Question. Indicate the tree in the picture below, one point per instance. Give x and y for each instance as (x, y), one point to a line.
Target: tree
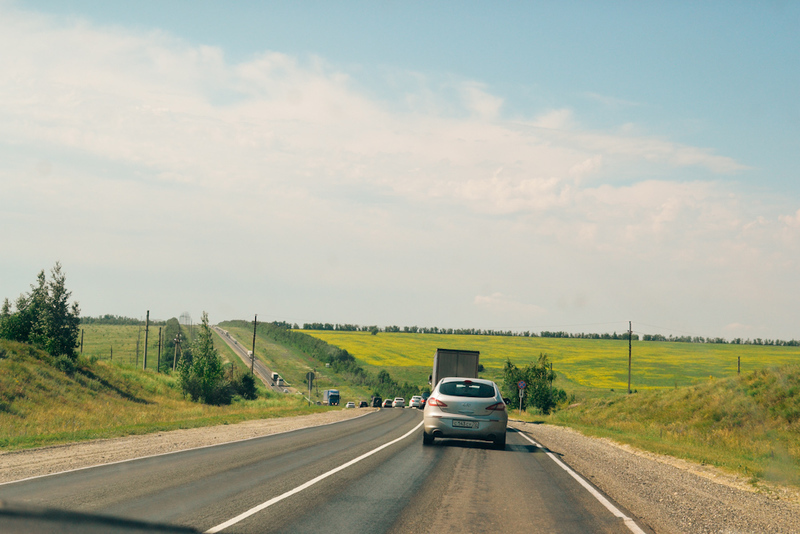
(44, 316)
(538, 377)
(61, 320)
(201, 373)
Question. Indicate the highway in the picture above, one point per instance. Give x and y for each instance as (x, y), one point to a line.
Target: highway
(259, 369)
(370, 474)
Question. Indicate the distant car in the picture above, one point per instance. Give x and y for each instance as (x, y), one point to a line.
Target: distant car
(376, 402)
(399, 402)
(387, 403)
(465, 408)
(363, 404)
(425, 398)
(415, 402)
(350, 404)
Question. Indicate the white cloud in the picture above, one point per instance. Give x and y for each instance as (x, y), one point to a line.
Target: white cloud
(486, 106)
(153, 148)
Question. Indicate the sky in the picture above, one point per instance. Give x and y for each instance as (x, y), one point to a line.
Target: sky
(519, 166)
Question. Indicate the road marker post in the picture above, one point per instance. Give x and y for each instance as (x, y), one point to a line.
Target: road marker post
(521, 385)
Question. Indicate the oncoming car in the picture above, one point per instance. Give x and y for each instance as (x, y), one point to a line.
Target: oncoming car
(350, 404)
(465, 408)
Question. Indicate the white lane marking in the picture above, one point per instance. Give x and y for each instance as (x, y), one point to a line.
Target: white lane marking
(630, 523)
(178, 451)
(308, 484)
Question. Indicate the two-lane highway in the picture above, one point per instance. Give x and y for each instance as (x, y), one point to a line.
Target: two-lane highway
(369, 474)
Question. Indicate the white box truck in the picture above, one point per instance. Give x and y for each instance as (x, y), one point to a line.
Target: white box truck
(450, 362)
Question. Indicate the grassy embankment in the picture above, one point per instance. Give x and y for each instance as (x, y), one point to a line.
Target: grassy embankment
(40, 405)
(690, 402)
(749, 424)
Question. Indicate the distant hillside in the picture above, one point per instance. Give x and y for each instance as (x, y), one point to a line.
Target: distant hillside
(748, 424)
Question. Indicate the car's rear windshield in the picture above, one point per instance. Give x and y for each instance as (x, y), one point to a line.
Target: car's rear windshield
(466, 389)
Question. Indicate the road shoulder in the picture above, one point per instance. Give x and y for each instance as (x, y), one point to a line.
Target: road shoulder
(17, 465)
(670, 495)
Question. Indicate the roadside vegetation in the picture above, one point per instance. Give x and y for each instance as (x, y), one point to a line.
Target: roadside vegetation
(748, 425)
(299, 353)
(42, 405)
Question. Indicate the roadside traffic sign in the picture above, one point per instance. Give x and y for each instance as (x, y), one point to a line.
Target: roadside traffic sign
(521, 384)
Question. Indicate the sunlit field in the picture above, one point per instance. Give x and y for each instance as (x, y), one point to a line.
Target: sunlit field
(588, 363)
(118, 343)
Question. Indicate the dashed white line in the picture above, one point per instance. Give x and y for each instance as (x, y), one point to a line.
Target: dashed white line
(308, 484)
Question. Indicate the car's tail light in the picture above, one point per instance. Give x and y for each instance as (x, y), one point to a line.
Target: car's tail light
(499, 407)
(436, 402)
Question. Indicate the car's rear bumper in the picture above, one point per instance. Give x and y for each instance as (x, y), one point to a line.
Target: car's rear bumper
(442, 427)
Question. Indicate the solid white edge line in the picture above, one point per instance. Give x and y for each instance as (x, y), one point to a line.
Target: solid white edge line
(308, 484)
(175, 452)
(630, 523)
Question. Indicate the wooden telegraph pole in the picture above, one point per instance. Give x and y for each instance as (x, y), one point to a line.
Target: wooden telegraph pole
(630, 337)
(253, 354)
(158, 366)
(177, 347)
(146, 334)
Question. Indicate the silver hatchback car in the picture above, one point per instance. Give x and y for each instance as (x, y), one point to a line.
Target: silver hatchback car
(465, 408)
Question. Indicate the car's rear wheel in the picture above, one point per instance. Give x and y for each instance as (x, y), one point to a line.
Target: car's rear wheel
(427, 439)
(500, 443)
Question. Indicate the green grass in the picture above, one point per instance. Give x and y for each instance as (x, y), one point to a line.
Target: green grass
(40, 405)
(118, 343)
(748, 424)
(293, 365)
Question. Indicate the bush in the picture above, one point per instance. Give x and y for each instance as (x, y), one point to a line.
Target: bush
(245, 386)
(539, 390)
(66, 364)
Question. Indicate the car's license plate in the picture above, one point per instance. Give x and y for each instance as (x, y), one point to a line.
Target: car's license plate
(465, 424)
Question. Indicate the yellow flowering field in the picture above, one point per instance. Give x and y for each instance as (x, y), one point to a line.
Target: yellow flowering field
(593, 363)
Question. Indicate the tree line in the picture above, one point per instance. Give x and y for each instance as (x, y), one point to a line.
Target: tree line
(118, 320)
(735, 341)
(544, 333)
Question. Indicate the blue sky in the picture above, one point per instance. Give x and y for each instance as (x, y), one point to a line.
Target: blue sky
(523, 166)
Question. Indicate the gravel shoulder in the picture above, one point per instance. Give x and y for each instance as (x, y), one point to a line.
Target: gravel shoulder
(671, 495)
(16, 465)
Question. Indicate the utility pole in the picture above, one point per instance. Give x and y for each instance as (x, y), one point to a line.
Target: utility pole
(158, 366)
(253, 354)
(81, 340)
(146, 335)
(177, 347)
(138, 337)
(630, 337)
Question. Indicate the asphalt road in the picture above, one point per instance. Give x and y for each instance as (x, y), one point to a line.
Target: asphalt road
(300, 481)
